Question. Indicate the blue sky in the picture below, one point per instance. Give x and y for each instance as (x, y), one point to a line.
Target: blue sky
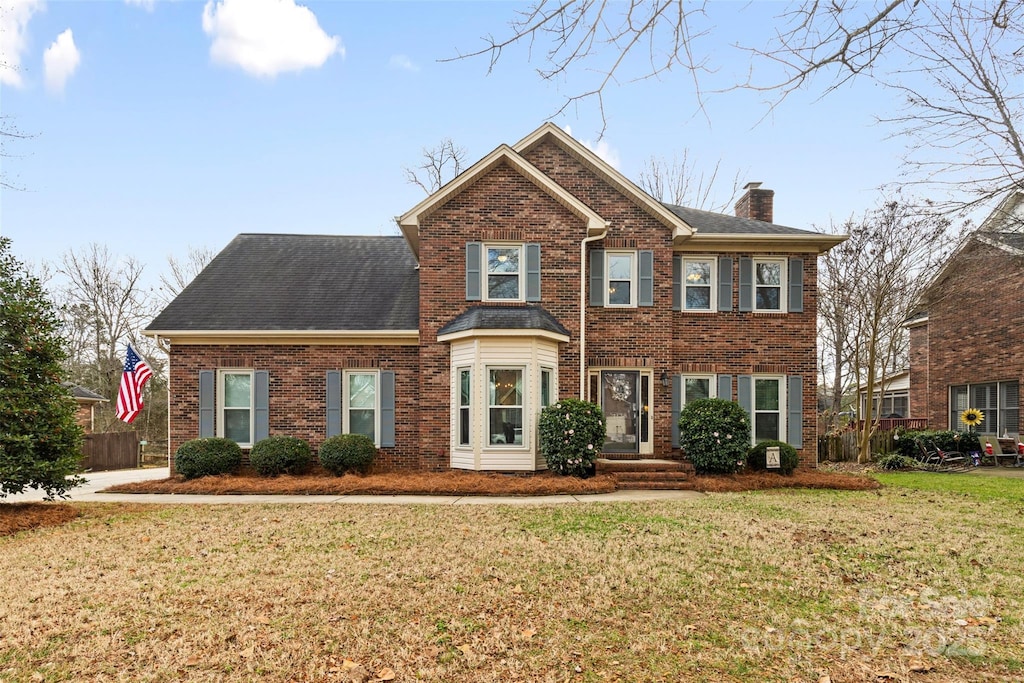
(155, 131)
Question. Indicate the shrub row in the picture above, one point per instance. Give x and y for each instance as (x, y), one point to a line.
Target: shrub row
(273, 456)
(906, 443)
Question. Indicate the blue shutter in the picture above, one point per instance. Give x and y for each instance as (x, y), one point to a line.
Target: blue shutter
(796, 285)
(725, 387)
(646, 294)
(745, 397)
(746, 284)
(206, 378)
(725, 284)
(677, 282)
(597, 285)
(473, 256)
(387, 408)
(677, 406)
(533, 272)
(795, 410)
(261, 405)
(333, 403)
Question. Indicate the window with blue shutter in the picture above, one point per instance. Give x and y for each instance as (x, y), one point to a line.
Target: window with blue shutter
(333, 403)
(387, 408)
(746, 284)
(597, 286)
(646, 268)
(796, 285)
(261, 405)
(795, 411)
(473, 278)
(677, 282)
(533, 272)
(725, 284)
(206, 403)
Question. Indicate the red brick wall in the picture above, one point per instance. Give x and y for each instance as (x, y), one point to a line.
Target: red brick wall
(83, 416)
(918, 357)
(298, 388)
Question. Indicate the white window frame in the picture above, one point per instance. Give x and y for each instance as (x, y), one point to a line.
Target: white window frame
(1001, 409)
(346, 402)
(486, 273)
(712, 285)
(552, 391)
(783, 285)
(782, 433)
(524, 398)
(221, 407)
(712, 387)
(634, 277)
(460, 407)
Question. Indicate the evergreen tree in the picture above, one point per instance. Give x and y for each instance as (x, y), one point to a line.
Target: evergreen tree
(40, 442)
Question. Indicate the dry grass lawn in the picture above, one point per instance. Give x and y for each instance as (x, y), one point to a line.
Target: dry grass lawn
(890, 585)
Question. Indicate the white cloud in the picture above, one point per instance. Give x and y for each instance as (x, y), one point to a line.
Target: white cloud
(267, 37)
(60, 61)
(14, 16)
(403, 62)
(147, 5)
(601, 149)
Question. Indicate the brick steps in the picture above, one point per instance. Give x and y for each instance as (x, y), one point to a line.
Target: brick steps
(648, 474)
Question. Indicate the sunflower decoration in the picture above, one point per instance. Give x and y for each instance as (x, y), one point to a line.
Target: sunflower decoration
(972, 417)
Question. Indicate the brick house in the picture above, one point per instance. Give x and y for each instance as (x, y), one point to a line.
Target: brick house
(540, 272)
(965, 349)
(85, 405)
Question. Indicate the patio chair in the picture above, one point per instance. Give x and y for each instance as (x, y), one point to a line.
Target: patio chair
(997, 450)
(940, 459)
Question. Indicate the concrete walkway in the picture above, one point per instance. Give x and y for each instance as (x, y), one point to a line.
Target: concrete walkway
(89, 493)
(1010, 472)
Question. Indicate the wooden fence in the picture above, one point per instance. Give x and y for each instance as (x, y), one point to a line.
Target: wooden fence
(110, 451)
(842, 447)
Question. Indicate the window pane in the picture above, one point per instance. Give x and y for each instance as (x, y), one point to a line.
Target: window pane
(696, 388)
(769, 273)
(698, 298)
(506, 388)
(766, 394)
(766, 426)
(901, 406)
(463, 426)
(502, 286)
(545, 388)
(362, 422)
(506, 426)
(237, 390)
(464, 377)
(768, 299)
(698, 273)
(618, 293)
(620, 267)
(236, 425)
(957, 404)
(362, 392)
(503, 259)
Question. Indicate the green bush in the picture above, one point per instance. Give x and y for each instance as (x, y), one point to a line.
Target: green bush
(906, 442)
(571, 436)
(206, 457)
(895, 461)
(347, 453)
(715, 434)
(280, 455)
(788, 460)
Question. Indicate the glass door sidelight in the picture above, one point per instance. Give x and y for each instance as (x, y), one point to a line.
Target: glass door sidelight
(625, 410)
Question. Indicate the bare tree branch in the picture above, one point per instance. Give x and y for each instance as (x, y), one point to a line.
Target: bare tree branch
(679, 181)
(440, 164)
(183, 272)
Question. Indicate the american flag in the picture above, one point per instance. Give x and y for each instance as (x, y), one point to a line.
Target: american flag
(129, 398)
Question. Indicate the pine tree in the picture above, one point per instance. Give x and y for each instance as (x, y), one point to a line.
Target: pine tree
(40, 442)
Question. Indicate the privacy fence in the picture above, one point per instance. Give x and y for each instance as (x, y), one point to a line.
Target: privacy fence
(842, 447)
(110, 451)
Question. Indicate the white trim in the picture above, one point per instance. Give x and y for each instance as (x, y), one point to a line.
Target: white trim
(712, 283)
(222, 394)
(346, 401)
(782, 410)
(485, 273)
(312, 337)
(783, 284)
(754, 243)
(525, 396)
(488, 332)
(712, 385)
(643, 447)
(457, 403)
(634, 277)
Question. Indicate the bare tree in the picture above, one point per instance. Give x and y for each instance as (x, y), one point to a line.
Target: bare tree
(440, 164)
(9, 133)
(680, 182)
(183, 271)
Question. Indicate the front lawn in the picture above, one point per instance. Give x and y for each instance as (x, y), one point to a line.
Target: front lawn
(768, 586)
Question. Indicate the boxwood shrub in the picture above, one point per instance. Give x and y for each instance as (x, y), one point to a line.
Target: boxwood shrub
(206, 457)
(715, 434)
(571, 436)
(347, 453)
(788, 460)
(280, 455)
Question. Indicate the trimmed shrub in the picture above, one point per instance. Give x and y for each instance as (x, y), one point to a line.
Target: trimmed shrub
(571, 436)
(347, 453)
(280, 455)
(788, 460)
(895, 461)
(715, 434)
(206, 457)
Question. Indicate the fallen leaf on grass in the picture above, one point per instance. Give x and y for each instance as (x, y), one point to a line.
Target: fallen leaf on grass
(432, 652)
(824, 678)
(248, 652)
(918, 665)
(385, 675)
(466, 650)
(528, 633)
(194, 660)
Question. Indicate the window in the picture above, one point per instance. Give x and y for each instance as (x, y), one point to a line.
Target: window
(504, 272)
(698, 289)
(236, 407)
(768, 409)
(621, 269)
(892, 404)
(545, 387)
(999, 401)
(697, 387)
(465, 404)
(505, 406)
(361, 407)
(769, 292)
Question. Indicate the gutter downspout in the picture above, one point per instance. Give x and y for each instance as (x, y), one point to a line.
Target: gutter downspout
(583, 308)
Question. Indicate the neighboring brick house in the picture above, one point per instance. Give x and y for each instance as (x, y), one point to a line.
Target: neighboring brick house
(85, 406)
(539, 273)
(965, 343)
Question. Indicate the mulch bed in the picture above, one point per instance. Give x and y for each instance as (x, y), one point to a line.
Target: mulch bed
(15, 517)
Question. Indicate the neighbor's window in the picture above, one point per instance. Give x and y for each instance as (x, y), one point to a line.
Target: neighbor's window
(465, 404)
(621, 269)
(769, 293)
(361, 409)
(698, 276)
(236, 407)
(767, 409)
(505, 406)
(504, 272)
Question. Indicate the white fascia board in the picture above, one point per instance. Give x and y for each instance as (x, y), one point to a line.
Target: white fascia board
(467, 334)
(316, 337)
(811, 242)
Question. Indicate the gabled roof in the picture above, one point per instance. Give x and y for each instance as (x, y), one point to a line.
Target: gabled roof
(712, 228)
(505, 318)
(287, 283)
(82, 394)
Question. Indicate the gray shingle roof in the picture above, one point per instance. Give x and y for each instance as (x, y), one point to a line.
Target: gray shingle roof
(301, 282)
(504, 318)
(82, 393)
(709, 222)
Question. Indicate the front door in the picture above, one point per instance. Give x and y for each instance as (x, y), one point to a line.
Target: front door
(621, 402)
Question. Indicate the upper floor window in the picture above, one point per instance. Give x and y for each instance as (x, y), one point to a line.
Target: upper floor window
(698, 284)
(504, 272)
(236, 406)
(769, 287)
(621, 279)
(621, 269)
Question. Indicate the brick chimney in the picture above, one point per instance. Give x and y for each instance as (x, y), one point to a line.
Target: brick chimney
(755, 203)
